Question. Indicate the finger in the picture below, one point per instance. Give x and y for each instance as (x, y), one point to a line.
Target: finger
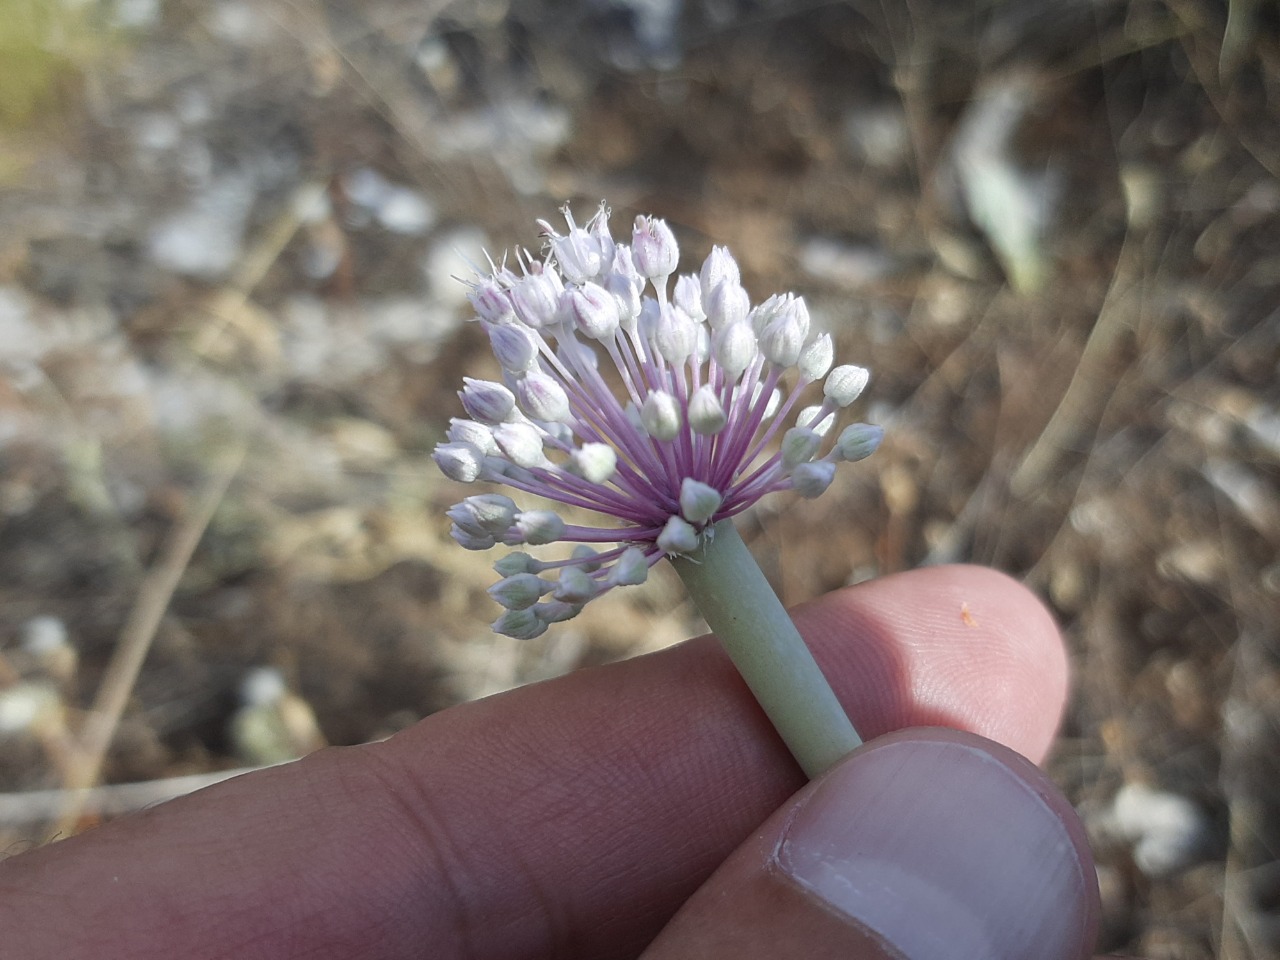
(571, 817)
(925, 845)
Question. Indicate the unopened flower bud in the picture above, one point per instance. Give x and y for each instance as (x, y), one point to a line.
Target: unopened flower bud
(678, 537)
(469, 431)
(735, 347)
(584, 556)
(799, 444)
(536, 298)
(517, 562)
(858, 441)
(592, 310)
(812, 479)
(519, 591)
(653, 248)
(706, 415)
(578, 253)
(718, 268)
(845, 383)
(698, 501)
(783, 337)
(630, 569)
(817, 419)
(675, 334)
(728, 303)
(595, 462)
(539, 526)
(816, 358)
(487, 401)
(575, 586)
(688, 297)
(513, 346)
(556, 611)
(762, 314)
(522, 443)
(471, 541)
(491, 301)
(542, 398)
(520, 625)
(492, 511)
(459, 461)
(626, 293)
(660, 415)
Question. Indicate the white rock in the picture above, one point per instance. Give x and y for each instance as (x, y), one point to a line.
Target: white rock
(1167, 831)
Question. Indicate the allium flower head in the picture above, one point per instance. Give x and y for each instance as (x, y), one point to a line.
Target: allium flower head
(665, 411)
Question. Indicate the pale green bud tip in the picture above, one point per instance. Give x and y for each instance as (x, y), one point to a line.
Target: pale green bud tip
(539, 526)
(661, 415)
(520, 625)
(585, 556)
(811, 480)
(816, 359)
(859, 440)
(799, 444)
(631, 569)
(519, 591)
(595, 462)
(845, 383)
(678, 537)
(575, 586)
(557, 611)
(706, 415)
(698, 501)
(518, 562)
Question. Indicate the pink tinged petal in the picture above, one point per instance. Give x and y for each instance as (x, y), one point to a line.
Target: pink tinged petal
(858, 441)
(660, 415)
(522, 443)
(678, 537)
(845, 384)
(816, 359)
(536, 299)
(718, 268)
(698, 501)
(491, 302)
(653, 248)
(592, 310)
(460, 461)
(486, 401)
(513, 346)
(811, 480)
(598, 227)
(520, 625)
(706, 415)
(542, 398)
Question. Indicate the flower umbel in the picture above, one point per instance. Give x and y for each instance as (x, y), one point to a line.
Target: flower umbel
(666, 410)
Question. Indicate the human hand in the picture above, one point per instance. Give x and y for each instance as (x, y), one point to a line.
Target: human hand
(573, 818)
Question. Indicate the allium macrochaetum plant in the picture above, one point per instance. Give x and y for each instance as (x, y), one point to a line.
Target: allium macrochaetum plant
(667, 409)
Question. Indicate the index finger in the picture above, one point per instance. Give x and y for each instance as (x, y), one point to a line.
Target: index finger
(570, 818)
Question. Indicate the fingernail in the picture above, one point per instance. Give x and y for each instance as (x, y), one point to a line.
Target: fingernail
(944, 852)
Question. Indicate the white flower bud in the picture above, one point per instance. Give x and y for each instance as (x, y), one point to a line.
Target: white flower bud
(858, 441)
(519, 591)
(459, 461)
(575, 586)
(812, 479)
(518, 562)
(688, 297)
(626, 293)
(465, 519)
(728, 303)
(698, 501)
(468, 431)
(675, 334)
(718, 268)
(471, 541)
(487, 401)
(536, 298)
(706, 415)
(578, 253)
(513, 346)
(542, 398)
(520, 625)
(799, 444)
(630, 569)
(556, 611)
(735, 347)
(539, 526)
(762, 314)
(492, 511)
(678, 537)
(660, 415)
(816, 419)
(586, 558)
(845, 383)
(522, 443)
(653, 249)
(491, 301)
(598, 227)
(592, 310)
(783, 336)
(595, 462)
(816, 359)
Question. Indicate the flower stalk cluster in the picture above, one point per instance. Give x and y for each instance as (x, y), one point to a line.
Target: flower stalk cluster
(666, 407)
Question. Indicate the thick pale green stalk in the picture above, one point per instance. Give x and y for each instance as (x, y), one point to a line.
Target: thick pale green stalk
(741, 608)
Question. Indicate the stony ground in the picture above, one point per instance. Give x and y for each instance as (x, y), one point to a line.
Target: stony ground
(230, 335)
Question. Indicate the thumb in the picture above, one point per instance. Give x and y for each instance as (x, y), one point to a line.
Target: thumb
(924, 845)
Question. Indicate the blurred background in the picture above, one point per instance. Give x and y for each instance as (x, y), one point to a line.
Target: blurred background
(231, 331)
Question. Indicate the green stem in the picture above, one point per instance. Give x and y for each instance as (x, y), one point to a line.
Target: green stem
(741, 608)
